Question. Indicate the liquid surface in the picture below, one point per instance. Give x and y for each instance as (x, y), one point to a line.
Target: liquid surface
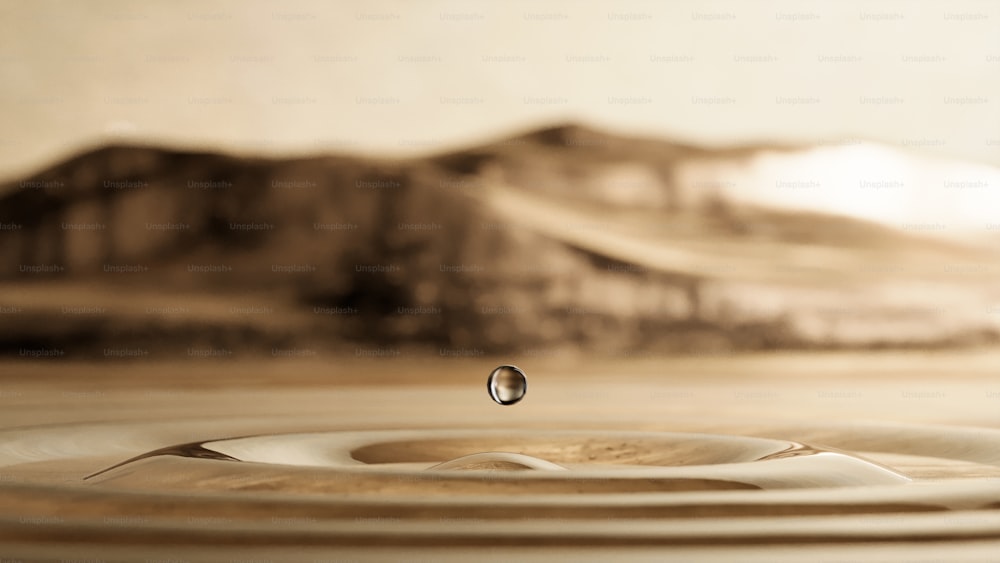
(785, 458)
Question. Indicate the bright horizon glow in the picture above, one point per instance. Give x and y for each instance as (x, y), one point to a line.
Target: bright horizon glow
(933, 196)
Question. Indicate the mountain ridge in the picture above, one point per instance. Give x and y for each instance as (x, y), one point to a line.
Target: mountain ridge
(560, 237)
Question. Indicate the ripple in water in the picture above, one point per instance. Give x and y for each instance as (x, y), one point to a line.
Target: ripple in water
(507, 385)
(332, 484)
(337, 489)
(424, 461)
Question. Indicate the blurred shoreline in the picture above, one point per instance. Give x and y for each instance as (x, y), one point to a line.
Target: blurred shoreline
(561, 237)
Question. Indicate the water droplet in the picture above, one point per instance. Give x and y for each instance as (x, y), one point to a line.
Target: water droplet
(507, 385)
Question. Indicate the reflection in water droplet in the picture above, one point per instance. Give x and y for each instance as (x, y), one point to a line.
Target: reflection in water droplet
(507, 385)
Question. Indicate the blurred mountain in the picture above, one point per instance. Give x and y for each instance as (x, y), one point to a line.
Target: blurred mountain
(560, 238)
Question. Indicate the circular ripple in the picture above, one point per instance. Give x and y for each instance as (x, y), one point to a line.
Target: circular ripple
(476, 487)
(417, 463)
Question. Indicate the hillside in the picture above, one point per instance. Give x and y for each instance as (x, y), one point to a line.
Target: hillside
(563, 238)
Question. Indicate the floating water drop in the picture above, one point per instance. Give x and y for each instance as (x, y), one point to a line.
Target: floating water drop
(507, 385)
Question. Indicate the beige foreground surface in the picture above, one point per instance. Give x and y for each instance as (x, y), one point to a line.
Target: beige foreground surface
(329, 459)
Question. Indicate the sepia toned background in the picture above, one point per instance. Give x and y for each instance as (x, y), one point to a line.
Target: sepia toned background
(404, 78)
(761, 220)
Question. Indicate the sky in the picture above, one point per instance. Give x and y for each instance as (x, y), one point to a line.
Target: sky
(410, 77)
